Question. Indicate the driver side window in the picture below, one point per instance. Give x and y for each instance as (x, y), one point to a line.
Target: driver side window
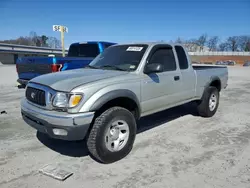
(164, 56)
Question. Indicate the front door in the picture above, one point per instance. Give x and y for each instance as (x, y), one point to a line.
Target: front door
(160, 90)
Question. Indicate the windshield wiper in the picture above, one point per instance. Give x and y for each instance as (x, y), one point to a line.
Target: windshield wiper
(90, 66)
(113, 67)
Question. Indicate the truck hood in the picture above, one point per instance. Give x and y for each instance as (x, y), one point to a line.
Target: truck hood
(68, 80)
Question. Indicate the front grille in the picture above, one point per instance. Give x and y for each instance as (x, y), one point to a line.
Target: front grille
(36, 96)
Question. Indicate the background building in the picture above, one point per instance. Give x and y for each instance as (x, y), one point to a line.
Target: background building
(10, 52)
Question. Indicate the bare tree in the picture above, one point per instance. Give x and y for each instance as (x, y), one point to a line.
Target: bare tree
(23, 41)
(223, 46)
(179, 41)
(35, 40)
(247, 49)
(53, 42)
(20, 41)
(243, 41)
(32, 34)
(212, 43)
(233, 43)
(191, 45)
(201, 41)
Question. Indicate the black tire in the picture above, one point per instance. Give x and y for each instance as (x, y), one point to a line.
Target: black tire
(96, 139)
(203, 105)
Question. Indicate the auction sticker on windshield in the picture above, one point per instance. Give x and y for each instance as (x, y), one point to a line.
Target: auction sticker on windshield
(134, 48)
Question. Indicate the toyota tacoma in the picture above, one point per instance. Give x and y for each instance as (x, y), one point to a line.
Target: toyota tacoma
(103, 101)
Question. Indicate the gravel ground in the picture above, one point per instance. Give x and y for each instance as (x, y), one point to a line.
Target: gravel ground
(173, 148)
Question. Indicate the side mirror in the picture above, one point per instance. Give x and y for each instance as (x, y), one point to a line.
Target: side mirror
(153, 68)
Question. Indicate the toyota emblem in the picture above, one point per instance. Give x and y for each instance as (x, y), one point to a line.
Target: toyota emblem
(33, 95)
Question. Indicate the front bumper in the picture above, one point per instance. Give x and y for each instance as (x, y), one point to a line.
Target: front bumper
(22, 81)
(72, 126)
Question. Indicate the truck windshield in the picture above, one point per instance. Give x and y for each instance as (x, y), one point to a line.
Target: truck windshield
(83, 50)
(120, 57)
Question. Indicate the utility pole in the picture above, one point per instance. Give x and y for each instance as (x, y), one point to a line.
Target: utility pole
(61, 29)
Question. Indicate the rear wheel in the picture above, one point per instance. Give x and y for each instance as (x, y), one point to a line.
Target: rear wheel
(112, 135)
(209, 103)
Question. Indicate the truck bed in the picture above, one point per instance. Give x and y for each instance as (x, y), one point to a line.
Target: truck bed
(205, 73)
(202, 67)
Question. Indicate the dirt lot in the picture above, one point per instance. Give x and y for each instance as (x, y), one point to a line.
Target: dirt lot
(240, 60)
(172, 149)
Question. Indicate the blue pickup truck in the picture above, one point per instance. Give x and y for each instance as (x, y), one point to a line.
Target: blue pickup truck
(79, 55)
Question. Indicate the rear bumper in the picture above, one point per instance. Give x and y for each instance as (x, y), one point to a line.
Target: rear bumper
(74, 126)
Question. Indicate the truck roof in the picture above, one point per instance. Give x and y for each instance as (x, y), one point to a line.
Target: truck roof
(150, 43)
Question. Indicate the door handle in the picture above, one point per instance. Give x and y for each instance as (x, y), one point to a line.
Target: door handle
(176, 78)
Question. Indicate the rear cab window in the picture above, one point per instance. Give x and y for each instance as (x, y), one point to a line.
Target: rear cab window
(90, 50)
(182, 58)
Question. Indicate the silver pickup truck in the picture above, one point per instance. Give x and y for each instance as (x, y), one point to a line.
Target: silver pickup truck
(103, 101)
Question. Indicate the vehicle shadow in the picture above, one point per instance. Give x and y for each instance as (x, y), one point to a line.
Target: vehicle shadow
(157, 119)
(79, 148)
(69, 148)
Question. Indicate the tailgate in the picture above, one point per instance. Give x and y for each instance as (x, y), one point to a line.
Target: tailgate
(30, 67)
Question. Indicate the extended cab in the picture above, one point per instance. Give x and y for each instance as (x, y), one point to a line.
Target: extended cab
(79, 55)
(103, 101)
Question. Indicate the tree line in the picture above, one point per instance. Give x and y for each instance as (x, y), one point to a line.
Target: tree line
(239, 43)
(35, 40)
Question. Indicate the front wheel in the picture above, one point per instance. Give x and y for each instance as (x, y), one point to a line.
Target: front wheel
(112, 135)
(209, 102)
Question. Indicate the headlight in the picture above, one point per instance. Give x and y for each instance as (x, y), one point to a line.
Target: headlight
(64, 100)
(60, 100)
(74, 100)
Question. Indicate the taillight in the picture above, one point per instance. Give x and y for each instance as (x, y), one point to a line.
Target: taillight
(56, 67)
